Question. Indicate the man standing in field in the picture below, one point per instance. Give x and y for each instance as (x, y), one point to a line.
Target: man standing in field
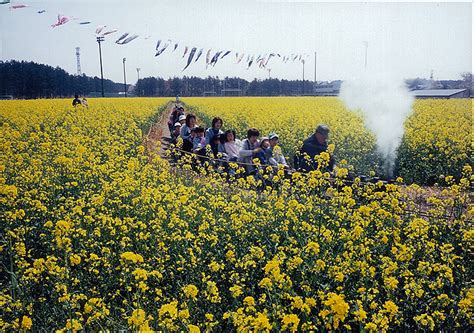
(76, 101)
(313, 146)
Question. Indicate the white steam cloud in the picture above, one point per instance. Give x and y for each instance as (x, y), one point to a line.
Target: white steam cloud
(385, 103)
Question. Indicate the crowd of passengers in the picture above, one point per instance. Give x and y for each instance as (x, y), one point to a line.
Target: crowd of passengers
(226, 146)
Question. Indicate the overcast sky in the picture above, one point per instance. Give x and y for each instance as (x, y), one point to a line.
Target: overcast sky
(410, 39)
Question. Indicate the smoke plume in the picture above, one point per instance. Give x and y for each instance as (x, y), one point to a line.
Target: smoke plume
(385, 103)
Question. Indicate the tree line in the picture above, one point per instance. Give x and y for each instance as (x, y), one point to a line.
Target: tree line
(196, 86)
(21, 79)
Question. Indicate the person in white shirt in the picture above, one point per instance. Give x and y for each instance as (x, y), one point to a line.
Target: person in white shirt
(232, 145)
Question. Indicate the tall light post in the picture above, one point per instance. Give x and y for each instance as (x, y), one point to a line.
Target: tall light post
(138, 74)
(303, 75)
(269, 72)
(315, 66)
(100, 39)
(124, 78)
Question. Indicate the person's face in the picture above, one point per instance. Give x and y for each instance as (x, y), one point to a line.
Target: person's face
(253, 139)
(218, 124)
(265, 144)
(230, 136)
(177, 128)
(200, 134)
(322, 139)
(192, 122)
(273, 142)
(183, 121)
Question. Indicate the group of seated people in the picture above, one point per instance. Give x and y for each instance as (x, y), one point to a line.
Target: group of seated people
(226, 146)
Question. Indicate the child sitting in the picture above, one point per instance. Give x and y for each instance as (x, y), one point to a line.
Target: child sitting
(199, 141)
(176, 131)
(264, 151)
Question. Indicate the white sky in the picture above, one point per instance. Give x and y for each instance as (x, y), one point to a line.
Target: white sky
(409, 39)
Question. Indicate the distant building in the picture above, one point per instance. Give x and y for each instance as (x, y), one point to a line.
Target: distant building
(441, 93)
(327, 88)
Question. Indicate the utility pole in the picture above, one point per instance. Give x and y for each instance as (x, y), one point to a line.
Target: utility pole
(124, 78)
(315, 65)
(269, 71)
(303, 75)
(138, 74)
(100, 39)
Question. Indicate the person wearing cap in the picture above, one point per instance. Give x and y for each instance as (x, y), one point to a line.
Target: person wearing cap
(313, 146)
(176, 131)
(264, 152)
(182, 119)
(275, 157)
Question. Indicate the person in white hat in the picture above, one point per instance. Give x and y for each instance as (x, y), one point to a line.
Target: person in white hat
(276, 156)
(176, 131)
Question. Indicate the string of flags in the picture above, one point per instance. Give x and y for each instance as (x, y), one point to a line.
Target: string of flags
(195, 53)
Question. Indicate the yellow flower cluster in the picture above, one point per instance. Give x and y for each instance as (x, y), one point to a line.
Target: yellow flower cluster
(98, 234)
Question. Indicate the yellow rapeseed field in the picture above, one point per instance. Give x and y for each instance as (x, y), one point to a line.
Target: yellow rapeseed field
(438, 139)
(96, 234)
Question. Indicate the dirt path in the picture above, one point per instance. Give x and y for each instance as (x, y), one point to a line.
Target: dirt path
(158, 138)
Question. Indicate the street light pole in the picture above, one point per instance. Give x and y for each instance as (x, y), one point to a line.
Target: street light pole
(303, 75)
(100, 39)
(315, 66)
(124, 78)
(138, 74)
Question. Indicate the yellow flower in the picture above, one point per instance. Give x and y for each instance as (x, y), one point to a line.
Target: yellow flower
(391, 282)
(26, 323)
(425, 321)
(190, 291)
(183, 314)
(261, 323)
(236, 290)
(137, 319)
(313, 247)
(193, 329)
(140, 274)
(338, 308)
(265, 283)
(169, 310)
(391, 308)
(290, 322)
(130, 256)
(249, 301)
(75, 259)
